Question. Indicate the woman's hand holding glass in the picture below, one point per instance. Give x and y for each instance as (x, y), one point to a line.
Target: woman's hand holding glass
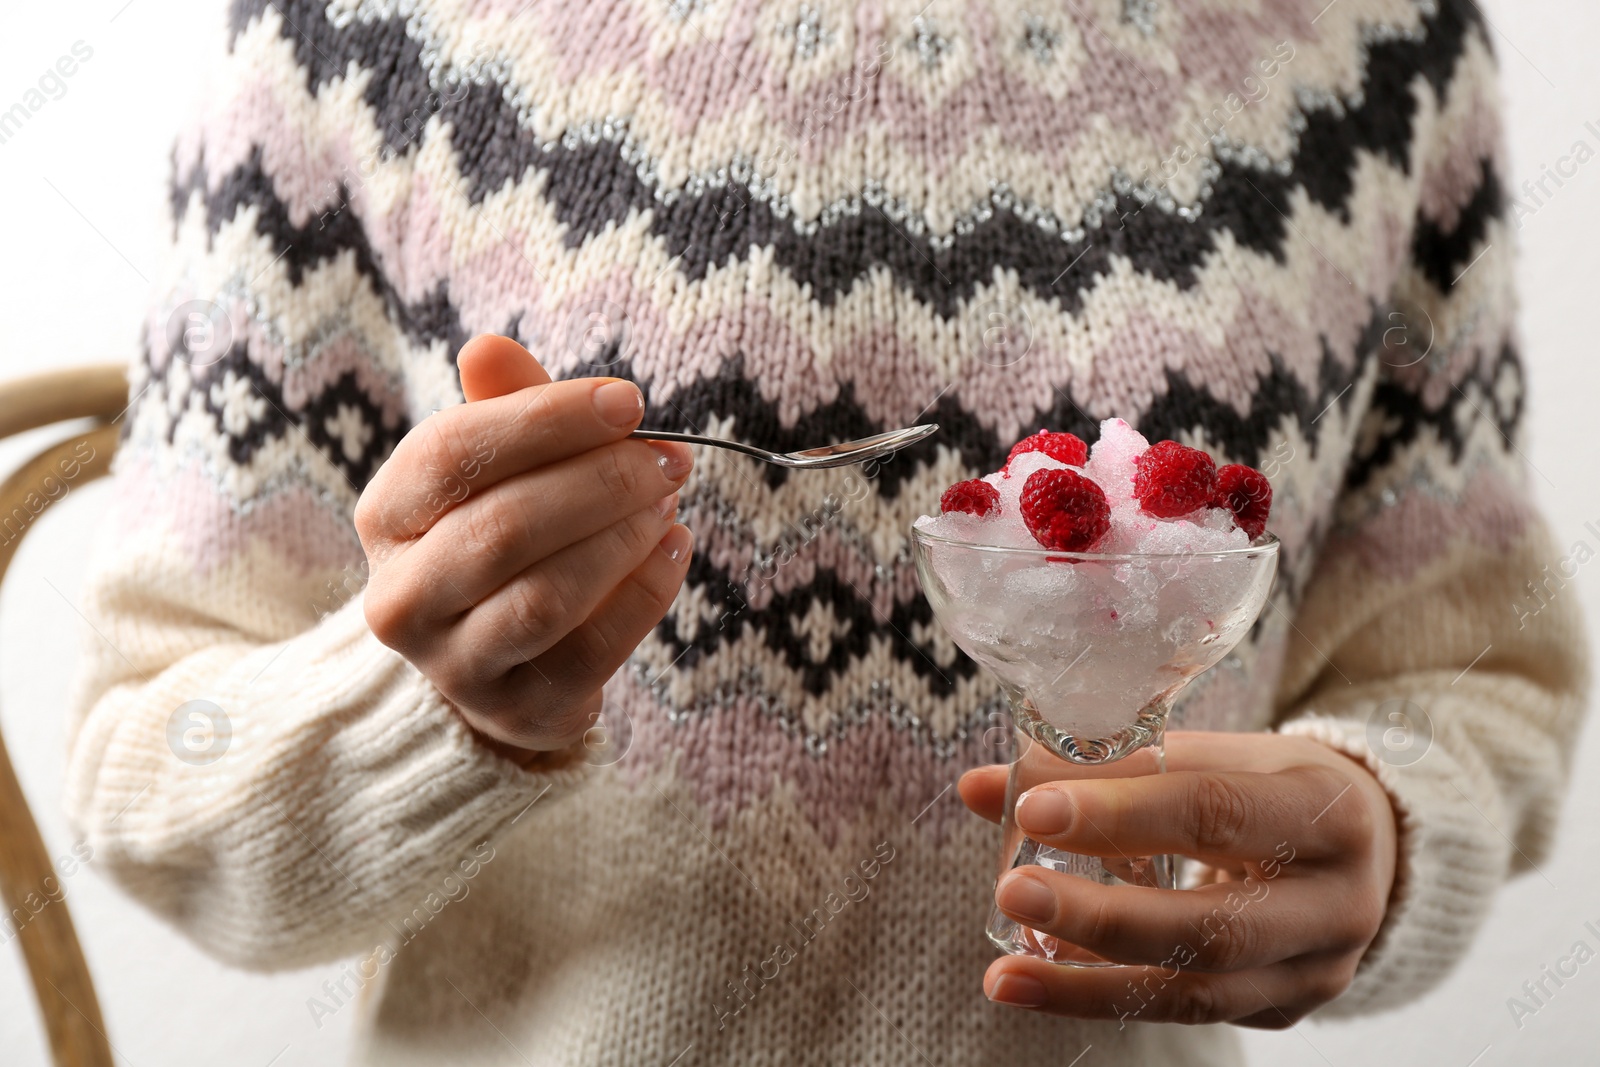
(1299, 844)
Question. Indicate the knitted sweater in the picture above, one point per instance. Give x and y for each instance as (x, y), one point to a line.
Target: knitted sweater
(1275, 229)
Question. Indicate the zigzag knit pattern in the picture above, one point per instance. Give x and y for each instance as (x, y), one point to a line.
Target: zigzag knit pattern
(1261, 228)
(849, 290)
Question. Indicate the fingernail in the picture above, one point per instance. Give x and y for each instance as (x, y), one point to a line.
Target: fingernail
(677, 542)
(619, 403)
(667, 505)
(1044, 811)
(675, 460)
(1018, 989)
(1026, 898)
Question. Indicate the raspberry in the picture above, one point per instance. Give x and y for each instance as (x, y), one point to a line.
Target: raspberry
(1066, 447)
(1064, 510)
(1172, 479)
(975, 497)
(1246, 492)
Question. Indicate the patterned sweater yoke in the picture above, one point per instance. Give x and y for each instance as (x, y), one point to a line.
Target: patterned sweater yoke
(1274, 229)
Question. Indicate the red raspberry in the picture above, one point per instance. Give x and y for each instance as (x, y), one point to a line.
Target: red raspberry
(1172, 479)
(975, 497)
(1064, 510)
(1246, 492)
(1066, 447)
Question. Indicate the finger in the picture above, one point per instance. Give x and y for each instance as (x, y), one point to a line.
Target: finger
(555, 757)
(1162, 994)
(983, 791)
(532, 736)
(1221, 927)
(583, 660)
(1319, 981)
(1242, 815)
(491, 365)
(498, 534)
(471, 448)
(522, 619)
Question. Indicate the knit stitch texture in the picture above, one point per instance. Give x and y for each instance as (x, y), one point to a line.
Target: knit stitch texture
(1275, 230)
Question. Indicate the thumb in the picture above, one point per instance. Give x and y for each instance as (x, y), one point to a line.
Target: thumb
(492, 366)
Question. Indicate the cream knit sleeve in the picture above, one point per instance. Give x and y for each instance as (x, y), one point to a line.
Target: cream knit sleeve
(1431, 643)
(246, 758)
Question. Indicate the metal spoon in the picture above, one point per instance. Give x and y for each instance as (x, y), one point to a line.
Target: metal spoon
(839, 455)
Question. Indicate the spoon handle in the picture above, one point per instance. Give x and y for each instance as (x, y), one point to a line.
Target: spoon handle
(697, 439)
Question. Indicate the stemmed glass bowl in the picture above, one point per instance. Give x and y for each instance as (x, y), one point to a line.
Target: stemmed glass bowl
(1091, 651)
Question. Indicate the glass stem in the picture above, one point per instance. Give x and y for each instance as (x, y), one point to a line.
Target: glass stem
(1037, 765)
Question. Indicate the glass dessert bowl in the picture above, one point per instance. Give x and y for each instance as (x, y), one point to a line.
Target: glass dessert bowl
(1091, 650)
(1095, 585)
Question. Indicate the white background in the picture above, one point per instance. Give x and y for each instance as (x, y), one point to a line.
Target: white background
(82, 185)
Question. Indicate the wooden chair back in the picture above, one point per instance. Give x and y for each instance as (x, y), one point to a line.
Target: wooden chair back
(40, 916)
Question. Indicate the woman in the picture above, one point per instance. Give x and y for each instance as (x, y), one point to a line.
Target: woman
(598, 752)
